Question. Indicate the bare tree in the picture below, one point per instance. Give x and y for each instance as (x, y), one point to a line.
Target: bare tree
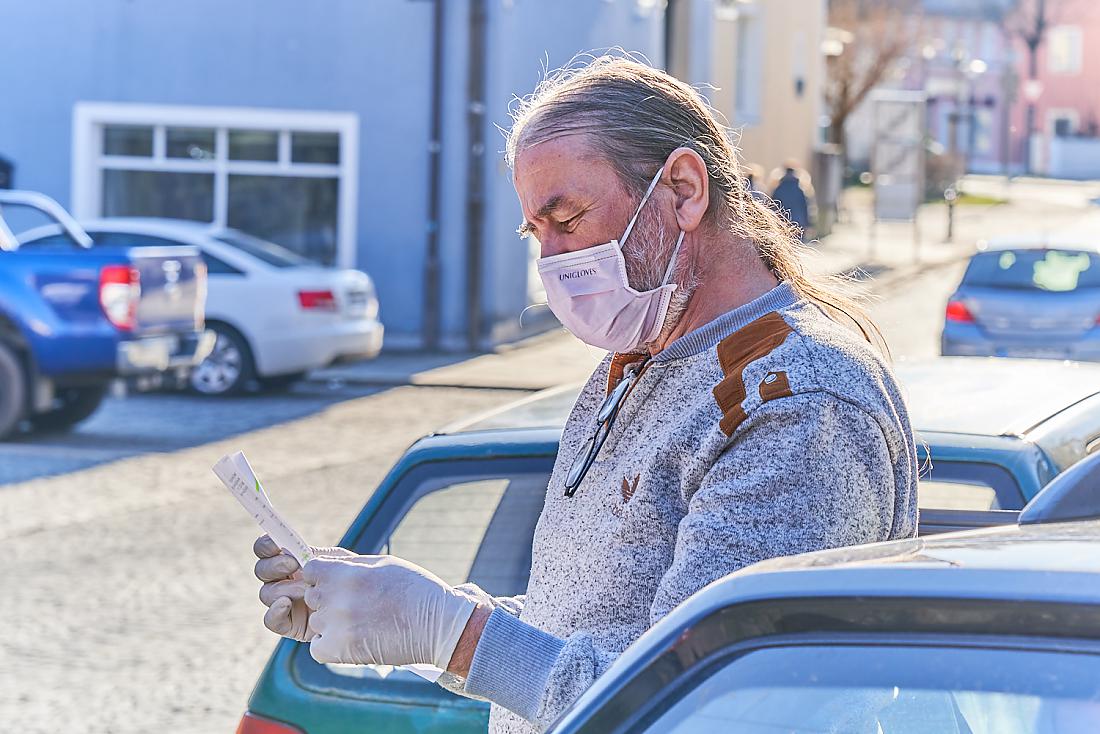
(868, 37)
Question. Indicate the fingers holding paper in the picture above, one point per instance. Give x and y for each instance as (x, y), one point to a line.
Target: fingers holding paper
(283, 590)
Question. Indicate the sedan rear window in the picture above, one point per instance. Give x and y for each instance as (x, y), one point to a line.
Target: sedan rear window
(1056, 271)
(268, 252)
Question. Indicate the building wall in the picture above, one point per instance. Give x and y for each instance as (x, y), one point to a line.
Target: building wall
(333, 56)
(1065, 93)
(747, 58)
(789, 122)
(367, 59)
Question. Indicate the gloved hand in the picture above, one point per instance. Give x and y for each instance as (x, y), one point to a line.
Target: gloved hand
(283, 589)
(382, 610)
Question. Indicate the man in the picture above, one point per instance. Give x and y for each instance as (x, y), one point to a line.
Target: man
(735, 421)
(791, 199)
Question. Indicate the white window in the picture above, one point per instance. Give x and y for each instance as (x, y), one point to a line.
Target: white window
(283, 175)
(1064, 49)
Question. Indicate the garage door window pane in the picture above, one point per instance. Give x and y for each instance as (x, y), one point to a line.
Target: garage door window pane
(136, 140)
(294, 211)
(158, 194)
(196, 143)
(253, 145)
(315, 148)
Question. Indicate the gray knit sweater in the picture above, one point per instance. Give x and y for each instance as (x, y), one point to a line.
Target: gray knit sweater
(768, 432)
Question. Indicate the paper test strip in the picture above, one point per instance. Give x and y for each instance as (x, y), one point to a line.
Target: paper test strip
(237, 475)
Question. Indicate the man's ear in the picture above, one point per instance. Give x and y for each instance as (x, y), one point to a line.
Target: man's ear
(686, 173)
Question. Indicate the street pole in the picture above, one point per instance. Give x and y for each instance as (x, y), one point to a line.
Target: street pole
(475, 176)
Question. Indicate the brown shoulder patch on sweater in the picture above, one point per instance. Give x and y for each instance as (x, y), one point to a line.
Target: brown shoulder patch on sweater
(735, 352)
(619, 363)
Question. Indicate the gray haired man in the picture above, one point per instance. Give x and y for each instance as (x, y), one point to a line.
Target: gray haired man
(741, 415)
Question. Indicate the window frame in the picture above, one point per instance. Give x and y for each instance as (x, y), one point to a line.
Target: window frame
(89, 161)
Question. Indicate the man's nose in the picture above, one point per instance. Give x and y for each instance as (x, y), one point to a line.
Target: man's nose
(552, 246)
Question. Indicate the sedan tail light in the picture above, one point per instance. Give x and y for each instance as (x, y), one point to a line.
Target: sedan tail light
(317, 300)
(119, 293)
(253, 724)
(958, 312)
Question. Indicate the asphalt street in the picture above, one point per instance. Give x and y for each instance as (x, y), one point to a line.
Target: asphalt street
(130, 604)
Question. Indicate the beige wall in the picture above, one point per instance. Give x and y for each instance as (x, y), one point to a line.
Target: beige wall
(781, 40)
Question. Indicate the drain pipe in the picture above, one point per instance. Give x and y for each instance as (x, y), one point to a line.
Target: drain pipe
(432, 316)
(475, 171)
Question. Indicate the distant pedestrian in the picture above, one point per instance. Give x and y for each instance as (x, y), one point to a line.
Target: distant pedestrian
(791, 198)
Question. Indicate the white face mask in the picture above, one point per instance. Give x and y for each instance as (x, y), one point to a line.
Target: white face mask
(589, 293)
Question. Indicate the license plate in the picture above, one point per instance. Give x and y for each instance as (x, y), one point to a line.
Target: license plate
(1035, 353)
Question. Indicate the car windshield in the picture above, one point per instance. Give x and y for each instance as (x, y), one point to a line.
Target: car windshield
(270, 253)
(1055, 271)
(891, 690)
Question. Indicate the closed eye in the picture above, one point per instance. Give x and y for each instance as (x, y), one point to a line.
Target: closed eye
(569, 225)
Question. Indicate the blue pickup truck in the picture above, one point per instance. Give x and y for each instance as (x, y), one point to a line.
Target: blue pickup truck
(71, 321)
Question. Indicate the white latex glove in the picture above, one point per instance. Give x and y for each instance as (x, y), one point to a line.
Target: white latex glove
(283, 589)
(382, 610)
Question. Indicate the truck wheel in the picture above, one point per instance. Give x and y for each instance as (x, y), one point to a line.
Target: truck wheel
(228, 368)
(76, 404)
(13, 392)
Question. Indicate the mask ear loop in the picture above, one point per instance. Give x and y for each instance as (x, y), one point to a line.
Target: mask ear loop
(652, 185)
(672, 260)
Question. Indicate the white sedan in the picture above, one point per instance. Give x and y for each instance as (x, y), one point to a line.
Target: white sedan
(277, 315)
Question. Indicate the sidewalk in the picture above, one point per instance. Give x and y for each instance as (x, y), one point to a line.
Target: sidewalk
(877, 253)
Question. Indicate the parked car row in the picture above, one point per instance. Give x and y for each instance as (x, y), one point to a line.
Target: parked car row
(83, 304)
(810, 621)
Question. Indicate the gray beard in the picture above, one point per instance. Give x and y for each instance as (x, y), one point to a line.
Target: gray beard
(646, 253)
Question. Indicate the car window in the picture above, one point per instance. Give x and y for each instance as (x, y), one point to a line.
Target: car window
(464, 521)
(889, 690)
(963, 485)
(214, 266)
(477, 531)
(130, 239)
(59, 241)
(1056, 271)
(268, 252)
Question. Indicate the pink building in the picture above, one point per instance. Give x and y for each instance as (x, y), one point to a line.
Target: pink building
(1066, 94)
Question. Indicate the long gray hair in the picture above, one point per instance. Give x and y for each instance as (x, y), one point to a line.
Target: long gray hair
(634, 116)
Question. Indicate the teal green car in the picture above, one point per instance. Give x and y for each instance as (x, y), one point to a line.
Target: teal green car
(463, 502)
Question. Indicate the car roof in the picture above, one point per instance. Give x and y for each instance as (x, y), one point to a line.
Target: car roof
(946, 395)
(1039, 241)
(1056, 562)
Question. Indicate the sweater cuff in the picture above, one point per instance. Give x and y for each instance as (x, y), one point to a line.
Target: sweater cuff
(512, 664)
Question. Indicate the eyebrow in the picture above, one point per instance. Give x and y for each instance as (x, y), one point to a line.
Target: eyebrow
(526, 228)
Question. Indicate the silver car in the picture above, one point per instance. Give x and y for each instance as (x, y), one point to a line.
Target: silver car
(1027, 297)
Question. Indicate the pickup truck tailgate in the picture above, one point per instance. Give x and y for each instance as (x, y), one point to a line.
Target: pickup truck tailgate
(173, 289)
